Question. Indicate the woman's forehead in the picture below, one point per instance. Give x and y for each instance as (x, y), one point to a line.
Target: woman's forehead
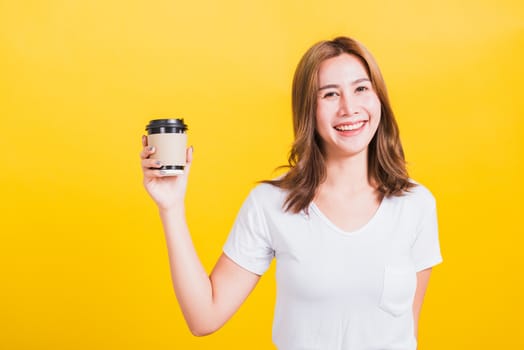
(342, 67)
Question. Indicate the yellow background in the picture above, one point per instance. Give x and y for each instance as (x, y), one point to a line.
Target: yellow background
(83, 263)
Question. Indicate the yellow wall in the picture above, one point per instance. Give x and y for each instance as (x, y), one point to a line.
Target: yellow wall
(82, 257)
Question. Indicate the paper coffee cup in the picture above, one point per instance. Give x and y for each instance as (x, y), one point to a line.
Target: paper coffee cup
(169, 138)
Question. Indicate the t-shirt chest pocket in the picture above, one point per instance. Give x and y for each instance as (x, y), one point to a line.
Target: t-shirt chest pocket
(400, 283)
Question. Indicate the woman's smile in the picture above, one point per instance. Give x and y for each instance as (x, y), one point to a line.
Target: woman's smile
(350, 128)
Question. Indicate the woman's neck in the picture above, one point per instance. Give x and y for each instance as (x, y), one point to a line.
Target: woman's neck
(349, 174)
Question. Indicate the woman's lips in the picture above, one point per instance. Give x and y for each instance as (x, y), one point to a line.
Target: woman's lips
(349, 126)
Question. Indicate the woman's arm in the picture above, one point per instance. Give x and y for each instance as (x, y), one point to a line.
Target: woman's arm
(207, 302)
(422, 284)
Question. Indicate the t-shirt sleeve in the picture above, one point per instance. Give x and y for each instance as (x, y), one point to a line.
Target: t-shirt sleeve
(249, 243)
(426, 247)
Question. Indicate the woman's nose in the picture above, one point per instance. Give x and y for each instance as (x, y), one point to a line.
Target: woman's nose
(348, 105)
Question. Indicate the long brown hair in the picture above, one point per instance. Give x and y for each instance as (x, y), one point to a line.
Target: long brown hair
(307, 170)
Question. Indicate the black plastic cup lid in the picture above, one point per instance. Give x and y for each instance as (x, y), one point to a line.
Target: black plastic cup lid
(156, 124)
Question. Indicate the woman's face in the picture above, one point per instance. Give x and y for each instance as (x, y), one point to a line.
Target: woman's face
(348, 109)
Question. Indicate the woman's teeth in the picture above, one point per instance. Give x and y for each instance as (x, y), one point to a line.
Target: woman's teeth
(349, 127)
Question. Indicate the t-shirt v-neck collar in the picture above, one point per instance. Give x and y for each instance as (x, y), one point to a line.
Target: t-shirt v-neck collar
(313, 207)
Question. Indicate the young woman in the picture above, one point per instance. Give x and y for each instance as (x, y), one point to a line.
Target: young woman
(354, 237)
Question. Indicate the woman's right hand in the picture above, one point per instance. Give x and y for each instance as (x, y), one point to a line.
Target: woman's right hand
(168, 192)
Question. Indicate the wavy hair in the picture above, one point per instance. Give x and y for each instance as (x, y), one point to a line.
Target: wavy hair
(306, 163)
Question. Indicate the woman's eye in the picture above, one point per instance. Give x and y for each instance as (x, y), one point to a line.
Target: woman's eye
(361, 89)
(330, 94)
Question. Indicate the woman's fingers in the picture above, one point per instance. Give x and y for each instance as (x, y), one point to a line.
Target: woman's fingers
(189, 160)
(151, 163)
(189, 155)
(151, 173)
(147, 151)
(151, 168)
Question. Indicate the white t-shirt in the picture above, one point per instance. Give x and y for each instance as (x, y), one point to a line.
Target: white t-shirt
(335, 289)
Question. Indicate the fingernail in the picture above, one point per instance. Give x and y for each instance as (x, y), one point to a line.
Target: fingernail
(150, 148)
(158, 162)
(162, 172)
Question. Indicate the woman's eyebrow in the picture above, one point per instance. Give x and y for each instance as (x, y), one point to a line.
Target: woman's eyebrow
(336, 86)
(329, 86)
(360, 80)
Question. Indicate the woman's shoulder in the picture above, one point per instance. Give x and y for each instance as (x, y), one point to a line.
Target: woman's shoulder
(266, 197)
(419, 195)
(264, 192)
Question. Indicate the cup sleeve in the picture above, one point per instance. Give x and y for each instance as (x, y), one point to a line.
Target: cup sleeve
(426, 247)
(249, 243)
